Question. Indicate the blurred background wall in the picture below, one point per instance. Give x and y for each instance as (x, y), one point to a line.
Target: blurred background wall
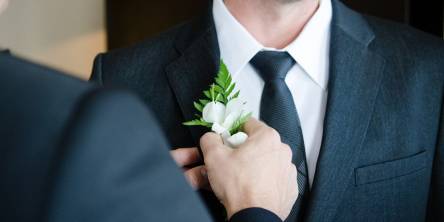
(65, 34)
(131, 21)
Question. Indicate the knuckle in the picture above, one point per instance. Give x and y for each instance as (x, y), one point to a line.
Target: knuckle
(287, 150)
(294, 169)
(204, 138)
(293, 172)
(294, 177)
(211, 157)
(285, 153)
(192, 179)
(273, 134)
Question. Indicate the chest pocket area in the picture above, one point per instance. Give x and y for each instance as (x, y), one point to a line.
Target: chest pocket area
(390, 169)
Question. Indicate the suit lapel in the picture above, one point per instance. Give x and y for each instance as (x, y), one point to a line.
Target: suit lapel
(355, 74)
(194, 70)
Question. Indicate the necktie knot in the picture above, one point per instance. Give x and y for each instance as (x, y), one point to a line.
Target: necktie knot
(272, 65)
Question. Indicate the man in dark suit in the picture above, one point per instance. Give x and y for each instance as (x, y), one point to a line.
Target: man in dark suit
(72, 151)
(368, 94)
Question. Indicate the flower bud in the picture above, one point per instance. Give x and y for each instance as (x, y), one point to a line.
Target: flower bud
(219, 129)
(214, 112)
(237, 139)
(235, 108)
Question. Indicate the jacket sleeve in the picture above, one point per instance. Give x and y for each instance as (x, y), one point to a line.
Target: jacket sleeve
(96, 75)
(115, 166)
(255, 215)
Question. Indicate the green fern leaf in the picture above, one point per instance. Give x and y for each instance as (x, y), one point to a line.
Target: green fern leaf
(239, 123)
(230, 89)
(204, 102)
(197, 122)
(236, 95)
(198, 106)
(207, 94)
(220, 91)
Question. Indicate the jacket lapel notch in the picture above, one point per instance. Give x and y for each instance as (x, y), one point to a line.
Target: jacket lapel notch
(192, 73)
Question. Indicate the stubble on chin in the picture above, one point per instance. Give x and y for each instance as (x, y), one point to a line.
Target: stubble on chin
(289, 1)
(293, 1)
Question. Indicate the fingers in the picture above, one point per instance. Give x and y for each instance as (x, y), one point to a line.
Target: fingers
(293, 181)
(253, 125)
(197, 178)
(294, 175)
(210, 142)
(287, 153)
(186, 156)
(260, 135)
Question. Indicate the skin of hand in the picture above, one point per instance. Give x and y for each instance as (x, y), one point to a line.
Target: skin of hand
(259, 173)
(196, 176)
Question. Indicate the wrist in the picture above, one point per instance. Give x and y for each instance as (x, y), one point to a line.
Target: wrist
(235, 207)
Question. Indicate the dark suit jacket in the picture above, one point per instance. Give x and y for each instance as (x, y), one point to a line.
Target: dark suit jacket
(73, 152)
(383, 146)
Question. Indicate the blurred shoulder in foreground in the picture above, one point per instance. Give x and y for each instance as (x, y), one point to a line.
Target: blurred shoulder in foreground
(71, 151)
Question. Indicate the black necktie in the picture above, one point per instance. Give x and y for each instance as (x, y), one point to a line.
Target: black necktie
(279, 111)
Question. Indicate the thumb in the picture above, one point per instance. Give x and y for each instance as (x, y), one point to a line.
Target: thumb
(211, 142)
(253, 125)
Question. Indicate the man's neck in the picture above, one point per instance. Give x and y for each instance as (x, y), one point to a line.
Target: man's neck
(274, 23)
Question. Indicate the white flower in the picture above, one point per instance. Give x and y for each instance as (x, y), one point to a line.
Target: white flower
(217, 128)
(230, 120)
(237, 139)
(235, 106)
(214, 112)
(223, 119)
(235, 109)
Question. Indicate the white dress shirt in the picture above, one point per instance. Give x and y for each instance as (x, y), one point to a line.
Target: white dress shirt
(307, 80)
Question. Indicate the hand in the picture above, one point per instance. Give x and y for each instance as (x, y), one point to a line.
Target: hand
(186, 157)
(258, 173)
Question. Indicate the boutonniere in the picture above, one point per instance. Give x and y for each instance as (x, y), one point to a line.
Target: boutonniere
(221, 110)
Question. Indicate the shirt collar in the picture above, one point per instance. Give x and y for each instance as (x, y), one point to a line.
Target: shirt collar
(310, 49)
(237, 45)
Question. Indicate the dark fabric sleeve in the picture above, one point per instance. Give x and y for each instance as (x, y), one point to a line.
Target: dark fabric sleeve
(436, 199)
(5, 52)
(115, 166)
(255, 215)
(96, 75)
